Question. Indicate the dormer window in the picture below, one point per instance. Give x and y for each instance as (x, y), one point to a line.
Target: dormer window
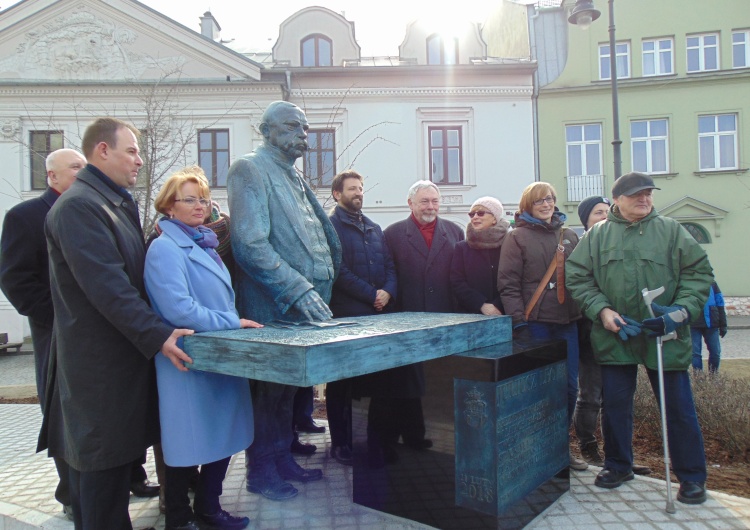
(442, 50)
(316, 50)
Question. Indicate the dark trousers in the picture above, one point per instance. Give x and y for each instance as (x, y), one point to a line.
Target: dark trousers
(589, 400)
(684, 433)
(338, 409)
(272, 412)
(711, 336)
(302, 408)
(207, 492)
(100, 498)
(389, 418)
(568, 333)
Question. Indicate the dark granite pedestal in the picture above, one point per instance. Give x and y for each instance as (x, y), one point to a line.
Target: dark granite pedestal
(497, 418)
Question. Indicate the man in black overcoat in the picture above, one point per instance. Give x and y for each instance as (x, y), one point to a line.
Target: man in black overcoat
(24, 274)
(101, 402)
(422, 247)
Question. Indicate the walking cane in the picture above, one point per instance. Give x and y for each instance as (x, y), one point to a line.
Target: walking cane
(648, 298)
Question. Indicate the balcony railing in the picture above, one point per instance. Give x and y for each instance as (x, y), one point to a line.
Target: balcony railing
(582, 186)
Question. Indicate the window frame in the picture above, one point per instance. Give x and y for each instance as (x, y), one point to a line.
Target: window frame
(717, 135)
(702, 49)
(603, 56)
(446, 148)
(656, 55)
(37, 157)
(213, 175)
(745, 46)
(649, 140)
(318, 180)
(316, 38)
(442, 49)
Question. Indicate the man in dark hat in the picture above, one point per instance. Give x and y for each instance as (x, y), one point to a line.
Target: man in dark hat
(638, 249)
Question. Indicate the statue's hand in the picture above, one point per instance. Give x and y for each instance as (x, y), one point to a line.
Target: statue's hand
(312, 306)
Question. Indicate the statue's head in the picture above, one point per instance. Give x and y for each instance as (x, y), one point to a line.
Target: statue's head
(284, 126)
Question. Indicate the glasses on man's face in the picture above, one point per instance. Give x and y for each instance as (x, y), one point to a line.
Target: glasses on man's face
(478, 213)
(549, 199)
(192, 201)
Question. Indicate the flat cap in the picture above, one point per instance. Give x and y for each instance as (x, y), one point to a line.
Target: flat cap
(632, 183)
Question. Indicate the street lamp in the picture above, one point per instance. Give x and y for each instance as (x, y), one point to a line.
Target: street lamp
(583, 14)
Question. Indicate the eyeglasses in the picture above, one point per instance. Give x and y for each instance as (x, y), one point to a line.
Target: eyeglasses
(191, 201)
(550, 199)
(478, 213)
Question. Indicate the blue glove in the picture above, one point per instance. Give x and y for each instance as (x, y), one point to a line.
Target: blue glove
(629, 328)
(667, 320)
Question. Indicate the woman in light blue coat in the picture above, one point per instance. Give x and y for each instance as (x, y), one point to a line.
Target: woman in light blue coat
(205, 417)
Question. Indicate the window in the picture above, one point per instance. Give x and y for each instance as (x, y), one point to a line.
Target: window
(316, 50)
(442, 51)
(717, 141)
(320, 157)
(584, 150)
(698, 232)
(213, 155)
(741, 49)
(703, 52)
(42, 143)
(657, 57)
(649, 146)
(622, 50)
(446, 157)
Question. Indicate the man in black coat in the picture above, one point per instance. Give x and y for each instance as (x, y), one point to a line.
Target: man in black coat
(422, 247)
(24, 274)
(366, 285)
(101, 402)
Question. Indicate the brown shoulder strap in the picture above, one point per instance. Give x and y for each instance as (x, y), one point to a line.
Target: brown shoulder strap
(558, 262)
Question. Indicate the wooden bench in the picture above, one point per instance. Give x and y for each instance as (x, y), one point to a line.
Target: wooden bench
(6, 346)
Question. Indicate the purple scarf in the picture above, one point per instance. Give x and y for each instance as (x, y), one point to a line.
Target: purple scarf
(201, 236)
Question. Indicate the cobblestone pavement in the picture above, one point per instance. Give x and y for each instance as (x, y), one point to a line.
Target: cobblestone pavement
(27, 482)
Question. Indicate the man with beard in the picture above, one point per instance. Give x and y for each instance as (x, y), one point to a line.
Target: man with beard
(422, 247)
(287, 254)
(365, 286)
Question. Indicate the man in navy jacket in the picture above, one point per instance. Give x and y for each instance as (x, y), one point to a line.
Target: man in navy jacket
(366, 285)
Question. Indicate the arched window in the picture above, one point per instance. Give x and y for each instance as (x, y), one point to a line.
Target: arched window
(442, 50)
(698, 232)
(316, 50)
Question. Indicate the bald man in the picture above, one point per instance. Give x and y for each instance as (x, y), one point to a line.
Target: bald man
(24, 272)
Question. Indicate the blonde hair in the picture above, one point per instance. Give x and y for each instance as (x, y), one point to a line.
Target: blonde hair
(534, 192)
(170, 189)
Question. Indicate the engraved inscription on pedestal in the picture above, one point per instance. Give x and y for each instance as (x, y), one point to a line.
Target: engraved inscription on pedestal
(511, 437)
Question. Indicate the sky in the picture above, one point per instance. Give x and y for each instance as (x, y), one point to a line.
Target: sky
(380, 25)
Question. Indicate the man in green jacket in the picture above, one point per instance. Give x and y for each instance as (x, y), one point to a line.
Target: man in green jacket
(636, 249)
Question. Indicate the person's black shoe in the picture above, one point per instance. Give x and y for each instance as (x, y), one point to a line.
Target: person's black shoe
(222, 520)
(641, 470)
(609, 478)
(190, 525)
(291, 470)
(590, 453)
(343, 455)
(144, 489)
(311, 427)
(692, 492)
(419, 445)
(302, 448)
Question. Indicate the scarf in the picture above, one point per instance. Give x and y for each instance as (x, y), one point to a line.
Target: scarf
(491, 237)
(201, 236)
(427, 231)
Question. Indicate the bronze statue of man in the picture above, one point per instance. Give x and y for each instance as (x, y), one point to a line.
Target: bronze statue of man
(288, 255)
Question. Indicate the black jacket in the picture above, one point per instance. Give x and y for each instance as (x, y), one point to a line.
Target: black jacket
(366, 266)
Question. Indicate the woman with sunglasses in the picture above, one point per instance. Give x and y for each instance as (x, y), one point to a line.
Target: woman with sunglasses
(205, 417)
(526, 255)
(475, 260)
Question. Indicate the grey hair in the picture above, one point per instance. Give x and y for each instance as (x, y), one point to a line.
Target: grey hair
(49, 162)
(421, 185)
